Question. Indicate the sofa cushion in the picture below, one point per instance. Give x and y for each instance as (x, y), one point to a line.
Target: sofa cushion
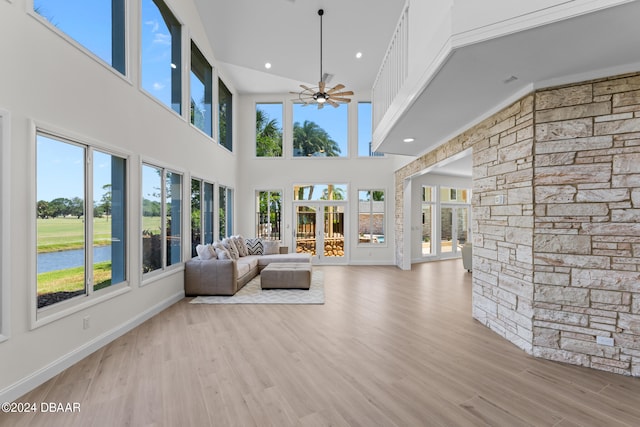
(243, 268)
(264, 260)
(251, 260)
(271, 247)
(254, 246)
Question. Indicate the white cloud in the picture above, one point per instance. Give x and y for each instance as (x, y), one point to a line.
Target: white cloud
(164, 39)
(158, 86)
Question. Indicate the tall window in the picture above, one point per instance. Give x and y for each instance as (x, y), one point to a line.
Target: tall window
(81, 236)
(201, 213)
(225, 213)
(161, 218)
(269, 214)
(269, 130)
(320, 192)
(161, 53)
(371, 216)
(225, 116)
(97, 25)
(201, 91)
(365, 128)
(319, 133)
(428, 206)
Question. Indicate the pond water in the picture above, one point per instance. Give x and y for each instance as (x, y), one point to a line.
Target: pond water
(61, 260)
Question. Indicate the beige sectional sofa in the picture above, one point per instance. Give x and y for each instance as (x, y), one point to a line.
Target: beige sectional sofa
(219, 275)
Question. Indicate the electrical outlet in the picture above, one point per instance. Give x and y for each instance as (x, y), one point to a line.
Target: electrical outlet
(85, 322)
(608, 341)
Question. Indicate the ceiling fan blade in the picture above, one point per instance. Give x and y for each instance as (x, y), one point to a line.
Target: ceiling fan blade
(332, 103)
(336, 88)
(347, 93)
(320, 105)
(339, 99)
(321, 85)
(306, 88)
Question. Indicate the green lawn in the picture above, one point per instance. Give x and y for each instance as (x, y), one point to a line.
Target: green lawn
(60, 234)
(72, 279)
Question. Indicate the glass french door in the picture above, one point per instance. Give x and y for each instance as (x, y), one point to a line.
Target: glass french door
(320, 230)
(454, 228)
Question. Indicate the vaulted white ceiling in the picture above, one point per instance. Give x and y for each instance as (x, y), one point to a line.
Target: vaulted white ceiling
(246, 34)
(471, 83)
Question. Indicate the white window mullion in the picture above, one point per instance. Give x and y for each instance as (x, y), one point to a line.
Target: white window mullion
(88, 221)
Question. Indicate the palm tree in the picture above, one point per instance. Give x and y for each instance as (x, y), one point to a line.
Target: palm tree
(268, 136)
(310, 139)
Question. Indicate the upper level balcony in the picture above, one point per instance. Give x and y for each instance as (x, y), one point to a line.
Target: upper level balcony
(452, 63)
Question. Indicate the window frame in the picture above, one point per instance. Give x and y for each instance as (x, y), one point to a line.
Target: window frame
(205, 70)
(343, 155)
(372, 154)
(5, 225)
(282, 132)
(281, 212)
(120, 38)
(173, 24)
(165, 268)
(228, 210)
(54, 312)
(202, 183)
(371, 213)
(434, 204)
(228, 142)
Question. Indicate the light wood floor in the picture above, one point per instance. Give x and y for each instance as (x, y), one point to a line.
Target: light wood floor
(389, 348)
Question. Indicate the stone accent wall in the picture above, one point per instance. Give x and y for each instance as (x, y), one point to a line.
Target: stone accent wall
(502, 225)
(587, 224)
(556, 221)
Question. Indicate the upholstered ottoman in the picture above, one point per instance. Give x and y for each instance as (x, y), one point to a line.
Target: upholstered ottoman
(286, 275)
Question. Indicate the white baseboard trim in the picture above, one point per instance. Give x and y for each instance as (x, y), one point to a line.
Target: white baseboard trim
(366, 262)
(25, 385)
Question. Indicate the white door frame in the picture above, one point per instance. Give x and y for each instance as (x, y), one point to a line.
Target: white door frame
(319, 258)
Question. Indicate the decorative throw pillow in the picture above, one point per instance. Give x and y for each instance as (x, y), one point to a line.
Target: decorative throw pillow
(221, 251)
(203, 252)
(254, 246)
(231, 248)
(241, 244)
(271, 247)
(212, 250)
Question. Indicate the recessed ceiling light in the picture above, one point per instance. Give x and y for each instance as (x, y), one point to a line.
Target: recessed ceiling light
(267, 65)
(359, 55)
(408, 140)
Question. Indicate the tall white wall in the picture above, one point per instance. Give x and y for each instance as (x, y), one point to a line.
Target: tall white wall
(47, 81)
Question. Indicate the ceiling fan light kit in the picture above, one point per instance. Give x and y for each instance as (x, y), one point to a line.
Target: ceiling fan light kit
(321, 94)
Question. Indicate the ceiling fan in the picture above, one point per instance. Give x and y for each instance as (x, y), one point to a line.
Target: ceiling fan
(322, 94)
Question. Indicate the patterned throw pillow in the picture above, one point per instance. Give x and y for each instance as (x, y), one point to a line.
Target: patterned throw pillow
(254, 246)
(241, 245)
(231, 248)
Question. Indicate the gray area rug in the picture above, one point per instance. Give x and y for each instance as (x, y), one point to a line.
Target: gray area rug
(252, 293)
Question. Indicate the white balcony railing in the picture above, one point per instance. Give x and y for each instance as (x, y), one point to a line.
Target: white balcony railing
(394, 69)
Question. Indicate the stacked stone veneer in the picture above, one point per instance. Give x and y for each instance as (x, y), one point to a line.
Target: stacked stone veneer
(556, 221)
(587, 224)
